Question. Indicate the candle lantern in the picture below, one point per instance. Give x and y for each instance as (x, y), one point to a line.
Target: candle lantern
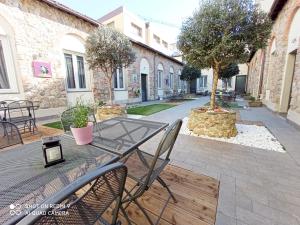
(52, 151)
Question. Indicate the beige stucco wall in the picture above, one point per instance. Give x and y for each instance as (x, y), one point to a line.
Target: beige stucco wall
(37, 33)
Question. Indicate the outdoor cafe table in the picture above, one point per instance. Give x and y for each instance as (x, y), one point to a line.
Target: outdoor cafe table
(123, 135)
(24, 182)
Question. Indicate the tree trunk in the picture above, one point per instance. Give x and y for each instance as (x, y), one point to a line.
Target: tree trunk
(216, 70)
(110, 91)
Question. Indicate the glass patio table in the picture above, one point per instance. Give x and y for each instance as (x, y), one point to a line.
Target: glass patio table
(123, 135)
(25, 183)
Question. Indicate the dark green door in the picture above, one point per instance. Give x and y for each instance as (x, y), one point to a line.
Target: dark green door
(144, 87)
(240, 84)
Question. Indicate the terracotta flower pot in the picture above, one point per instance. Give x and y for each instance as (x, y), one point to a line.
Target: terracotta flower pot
(84, 135)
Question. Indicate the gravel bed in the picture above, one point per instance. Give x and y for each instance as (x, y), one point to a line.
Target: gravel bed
(248, 135)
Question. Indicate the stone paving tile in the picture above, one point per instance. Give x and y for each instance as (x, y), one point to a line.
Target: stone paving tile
(274, 214)
(257, 187)
(223, 219)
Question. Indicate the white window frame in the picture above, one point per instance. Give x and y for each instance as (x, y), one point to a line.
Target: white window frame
(75, 69)
(118, 80)
(201, 81)
(10, 66)
(136, 30)
(171, 80)
(160, 79)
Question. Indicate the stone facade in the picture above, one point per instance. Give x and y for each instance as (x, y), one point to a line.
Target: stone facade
(133, 77)
(37, 31)
(279, 73)
(212, 124)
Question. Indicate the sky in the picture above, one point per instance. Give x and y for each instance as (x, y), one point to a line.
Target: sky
(172, 12)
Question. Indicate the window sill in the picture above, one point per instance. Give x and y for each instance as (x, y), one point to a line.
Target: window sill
(119, 89)
(77, 90)
(9, 91)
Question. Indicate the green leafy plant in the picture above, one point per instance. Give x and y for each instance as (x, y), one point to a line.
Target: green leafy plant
(108, 50)
(80, 115)
(252, 98)
(223, 32)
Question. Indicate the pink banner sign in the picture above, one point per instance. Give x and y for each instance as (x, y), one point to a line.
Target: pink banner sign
(41, 69)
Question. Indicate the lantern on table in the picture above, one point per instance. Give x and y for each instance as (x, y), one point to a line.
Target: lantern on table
(52, 150)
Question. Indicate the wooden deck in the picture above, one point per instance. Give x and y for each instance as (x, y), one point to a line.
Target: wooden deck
(197, 197)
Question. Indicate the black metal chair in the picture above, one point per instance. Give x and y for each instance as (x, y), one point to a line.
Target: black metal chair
(145, 168)
(9, 134)
(85, 201)
(66, 118)
(22, 113)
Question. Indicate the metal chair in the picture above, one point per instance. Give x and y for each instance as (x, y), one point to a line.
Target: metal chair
(85, 201)
(9, 134)
(66, 118)
(145, 168)
(22, 112)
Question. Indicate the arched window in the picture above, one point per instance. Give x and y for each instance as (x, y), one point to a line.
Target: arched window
(160, 71)
(294, 33)
(8, 81)
(179, 84)
(74, 50)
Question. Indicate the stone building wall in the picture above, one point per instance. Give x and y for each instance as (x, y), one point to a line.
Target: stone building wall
(38, 30)
(254, 74)
(295, 93)
(133, 76)
(275, 62)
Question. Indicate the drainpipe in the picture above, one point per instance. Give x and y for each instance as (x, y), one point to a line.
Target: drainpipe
(154, 76)
(261, 76)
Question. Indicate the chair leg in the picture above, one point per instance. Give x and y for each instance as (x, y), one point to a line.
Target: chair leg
(138, 205)
(161, 181)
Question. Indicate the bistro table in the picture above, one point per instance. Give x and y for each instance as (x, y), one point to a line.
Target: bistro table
(123, 135)
(24, 182)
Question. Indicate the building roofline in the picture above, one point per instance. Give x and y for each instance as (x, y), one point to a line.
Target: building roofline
(156, 51)
(276, 8)
(111, 14)
(68, 10)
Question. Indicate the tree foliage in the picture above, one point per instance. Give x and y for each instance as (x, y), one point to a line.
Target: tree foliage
(229, 71)
(190, 73)
(108, 50)
(223, 32)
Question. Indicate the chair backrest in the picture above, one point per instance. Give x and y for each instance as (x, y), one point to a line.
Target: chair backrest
(67, 119)
(165, 146)
(9, 134)
(84, 201)
(20, 108)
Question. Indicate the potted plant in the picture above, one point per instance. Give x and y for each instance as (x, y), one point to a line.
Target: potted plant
(107, 51)
(214, 37)
(254, 102)
(82, 129)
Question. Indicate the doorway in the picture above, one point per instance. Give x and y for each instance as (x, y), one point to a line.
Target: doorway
(240, 84)
(144, 87)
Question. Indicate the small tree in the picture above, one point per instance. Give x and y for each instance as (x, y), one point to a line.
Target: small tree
(189, 73)
(223, 32)
(229, 71)
(108, 50)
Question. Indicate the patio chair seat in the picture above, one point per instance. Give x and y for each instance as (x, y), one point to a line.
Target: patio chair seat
(20, 119)
(138, 164)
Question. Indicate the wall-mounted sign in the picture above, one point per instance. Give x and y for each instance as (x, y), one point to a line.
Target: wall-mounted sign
(41, 69)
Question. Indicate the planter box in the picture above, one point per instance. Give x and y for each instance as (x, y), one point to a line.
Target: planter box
(213, 124)
(255, 103)
(110, 111)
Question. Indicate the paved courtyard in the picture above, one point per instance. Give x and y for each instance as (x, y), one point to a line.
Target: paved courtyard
(257, 187)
